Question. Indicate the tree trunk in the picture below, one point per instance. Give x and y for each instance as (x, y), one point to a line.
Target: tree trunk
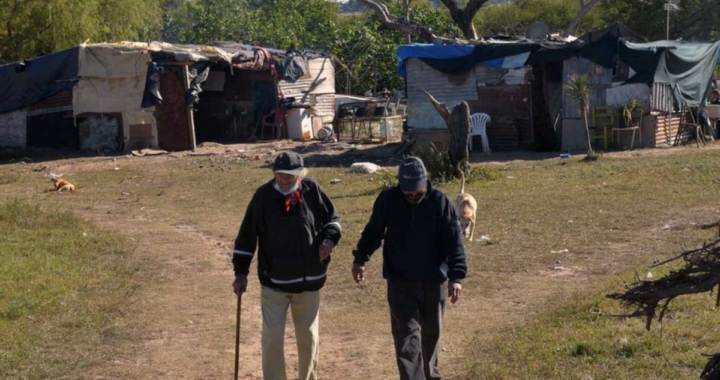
(582, 11)
(386, 19)
(590, 150)
(459, 127)
(458, 123)
(406, 18)
(463, 18)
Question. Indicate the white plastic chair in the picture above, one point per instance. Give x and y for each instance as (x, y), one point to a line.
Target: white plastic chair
(478, 122)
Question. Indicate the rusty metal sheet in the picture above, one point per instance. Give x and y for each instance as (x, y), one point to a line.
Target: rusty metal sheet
(171, 114)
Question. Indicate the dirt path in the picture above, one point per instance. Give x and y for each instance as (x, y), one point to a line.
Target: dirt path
(186, 316)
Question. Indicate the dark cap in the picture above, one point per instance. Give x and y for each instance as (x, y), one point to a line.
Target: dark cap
(289, 163)
(412, 175)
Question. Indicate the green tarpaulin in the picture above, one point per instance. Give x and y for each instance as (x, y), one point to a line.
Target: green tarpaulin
(686, 66)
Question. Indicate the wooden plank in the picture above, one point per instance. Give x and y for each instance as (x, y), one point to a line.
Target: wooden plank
(188, 108)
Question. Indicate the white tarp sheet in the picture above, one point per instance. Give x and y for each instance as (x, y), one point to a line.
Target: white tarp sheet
(112, 79)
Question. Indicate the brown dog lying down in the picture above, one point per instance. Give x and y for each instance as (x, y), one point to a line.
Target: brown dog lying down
(467, 208)
(62, 185)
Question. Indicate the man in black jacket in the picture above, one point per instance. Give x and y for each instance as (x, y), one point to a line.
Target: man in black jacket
(294, 226)
(423, 262)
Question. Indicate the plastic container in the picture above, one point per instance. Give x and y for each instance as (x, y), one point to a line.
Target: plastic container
(299, 124)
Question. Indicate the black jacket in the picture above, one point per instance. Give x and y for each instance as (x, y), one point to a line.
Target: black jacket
(423, 242)
(288, 241)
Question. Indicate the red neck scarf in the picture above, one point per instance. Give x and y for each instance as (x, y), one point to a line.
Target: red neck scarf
(292, 198)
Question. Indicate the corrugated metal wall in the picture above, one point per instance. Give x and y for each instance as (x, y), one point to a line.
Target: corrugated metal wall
(600, 80)
(667, 128)
(316, 89)
(59, 102)
(509, 108)
(489, 75)
(320, 79)
(13, 128)
(450, 89)
(662, 98)
(323, 111)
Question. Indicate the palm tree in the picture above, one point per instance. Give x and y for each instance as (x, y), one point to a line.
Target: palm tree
(578, 87)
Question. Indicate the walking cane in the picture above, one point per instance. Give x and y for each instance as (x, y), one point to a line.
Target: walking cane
(237, 335)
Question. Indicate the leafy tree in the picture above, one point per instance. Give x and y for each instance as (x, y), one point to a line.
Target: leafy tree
(365, 51)
(578, 88)
(461, 16)
(272, 23)
(303, 23)
(205, 21)
(693, 19)
(37, 27)
(514, 18)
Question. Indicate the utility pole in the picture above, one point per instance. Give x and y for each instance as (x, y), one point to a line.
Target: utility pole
(667, 26)
(406, 18)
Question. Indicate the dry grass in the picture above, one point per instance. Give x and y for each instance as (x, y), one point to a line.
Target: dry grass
(62, 285)
(560, 232)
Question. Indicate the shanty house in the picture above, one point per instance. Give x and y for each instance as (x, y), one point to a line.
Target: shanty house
(521, 84)
(127, 96)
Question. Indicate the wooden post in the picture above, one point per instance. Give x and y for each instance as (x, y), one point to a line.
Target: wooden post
(459, 127)
(191, 119)
(458, 123)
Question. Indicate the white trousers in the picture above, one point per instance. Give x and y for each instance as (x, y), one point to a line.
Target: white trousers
(305, 309)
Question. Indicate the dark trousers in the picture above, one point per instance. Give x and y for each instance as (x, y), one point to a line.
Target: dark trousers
(416, 311)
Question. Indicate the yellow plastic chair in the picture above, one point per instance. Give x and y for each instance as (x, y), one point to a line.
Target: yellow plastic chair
(603, 122)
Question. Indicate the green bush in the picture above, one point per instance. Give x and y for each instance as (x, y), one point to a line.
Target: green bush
(440, 168)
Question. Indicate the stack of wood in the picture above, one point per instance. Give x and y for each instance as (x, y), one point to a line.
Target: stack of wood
(701, 273)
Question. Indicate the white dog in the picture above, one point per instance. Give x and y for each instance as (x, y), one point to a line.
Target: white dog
(467, 208)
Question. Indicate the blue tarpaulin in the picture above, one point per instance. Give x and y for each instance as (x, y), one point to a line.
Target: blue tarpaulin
(460, 58)
(26, 82)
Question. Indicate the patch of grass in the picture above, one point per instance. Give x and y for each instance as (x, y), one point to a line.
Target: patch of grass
(582, 337)
(63, 283)
(575, 341)
(8, 179)
(592, 156)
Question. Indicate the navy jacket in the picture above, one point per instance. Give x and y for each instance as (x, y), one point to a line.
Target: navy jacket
(287, 242)
(422, 242)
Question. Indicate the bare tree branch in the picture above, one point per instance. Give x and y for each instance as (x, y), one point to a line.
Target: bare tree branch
(386, 19)
(441, 108)
(582, 11)
(463, 18)
(700, 274)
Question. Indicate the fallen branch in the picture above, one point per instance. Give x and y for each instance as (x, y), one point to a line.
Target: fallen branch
(441, 108)
(700, 274)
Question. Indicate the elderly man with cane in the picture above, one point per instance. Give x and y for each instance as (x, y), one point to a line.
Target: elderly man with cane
(294, 226)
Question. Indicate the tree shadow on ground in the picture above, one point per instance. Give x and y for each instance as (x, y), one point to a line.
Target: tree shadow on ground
(31, 155)
(322, 155)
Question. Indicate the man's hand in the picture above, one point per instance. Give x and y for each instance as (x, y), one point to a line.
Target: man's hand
(326, 248)
(240, 284)
(454, 291)
(358, 273)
